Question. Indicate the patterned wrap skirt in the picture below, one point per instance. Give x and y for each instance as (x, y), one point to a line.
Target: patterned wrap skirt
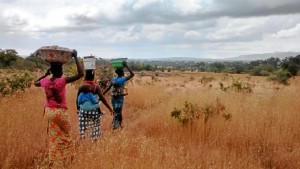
(117, 103)
(61, 144)
(90, 119)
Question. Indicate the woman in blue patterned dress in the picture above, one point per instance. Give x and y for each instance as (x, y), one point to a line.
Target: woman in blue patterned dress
(117, 95)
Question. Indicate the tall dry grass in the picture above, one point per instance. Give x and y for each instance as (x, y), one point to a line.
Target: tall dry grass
(264, 131)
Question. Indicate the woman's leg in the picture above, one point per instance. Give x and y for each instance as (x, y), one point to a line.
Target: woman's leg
(96, 122)
(83, 123)
(89, 120)
(117, 106)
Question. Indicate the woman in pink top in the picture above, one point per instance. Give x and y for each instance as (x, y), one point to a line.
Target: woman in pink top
(61, 145)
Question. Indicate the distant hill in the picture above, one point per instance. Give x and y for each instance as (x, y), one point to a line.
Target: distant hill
(243, 58)
(178, 59)
(183, 59)
(280, 55)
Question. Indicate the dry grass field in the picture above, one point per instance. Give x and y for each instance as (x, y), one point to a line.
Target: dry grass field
(263, 132)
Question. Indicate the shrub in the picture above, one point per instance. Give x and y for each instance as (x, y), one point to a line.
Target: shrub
(192, 112)
(4, 90)
(154, 78)
(188, 113)
(281, 77)
(204, 80)
(225, 76)
(17, 82)
(238, 86)
(262, 70)
(176, 113)
(105, 74)
(223, 88)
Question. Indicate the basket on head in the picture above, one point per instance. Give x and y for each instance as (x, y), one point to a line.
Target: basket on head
(118, 63)
(54, 54)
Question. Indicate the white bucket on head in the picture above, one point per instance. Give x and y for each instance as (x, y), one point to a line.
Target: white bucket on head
(89, 62)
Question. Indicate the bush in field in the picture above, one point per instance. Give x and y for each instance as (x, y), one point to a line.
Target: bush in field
(214, 110)
(204, 80)
(154, 79)
(262, 70)
(188, 114)
(281, 77)
(4, 89)
(17, 82)
(176, 113)
(192, 112)
(223, 88)
(226, 76)
(238, 86)
(105, 74)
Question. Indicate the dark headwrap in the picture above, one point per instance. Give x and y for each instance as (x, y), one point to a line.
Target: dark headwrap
(56, 69)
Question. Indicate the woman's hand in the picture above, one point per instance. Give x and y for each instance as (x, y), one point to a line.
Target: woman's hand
(74, 54)
(124, 63)
(111, 112)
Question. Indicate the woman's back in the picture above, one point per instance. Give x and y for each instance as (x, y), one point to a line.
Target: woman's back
(55, 92)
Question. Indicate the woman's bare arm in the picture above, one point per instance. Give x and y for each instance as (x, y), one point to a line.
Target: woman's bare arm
(37, 82)
(79, 70)
(102, 98)
(107, 89)
(131, 74)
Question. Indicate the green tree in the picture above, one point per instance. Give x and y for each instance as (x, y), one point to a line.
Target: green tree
(7, 57)
(217, 67)
(262, 70)
(291, 64)
(274, 62)
(238, 68)
(200, 66)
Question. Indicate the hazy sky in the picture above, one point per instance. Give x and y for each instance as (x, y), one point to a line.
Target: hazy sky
(152, 28)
